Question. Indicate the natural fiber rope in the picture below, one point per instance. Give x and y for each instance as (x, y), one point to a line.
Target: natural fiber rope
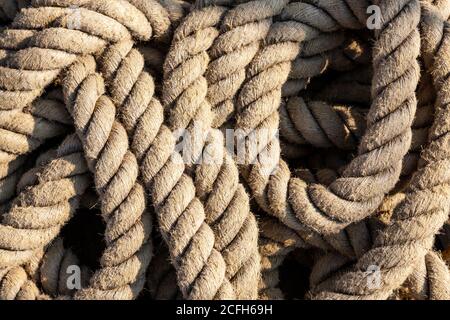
(39, 211)
(424, 210)
(314, 209)
(28, 52)
(162, 172)
(431, 280)
(93, 38)
(241, 31)
(22, 131)
(321, 124)
(228, 65)
(53, 271)
(15, 285)
(115, 170)
(217, 179)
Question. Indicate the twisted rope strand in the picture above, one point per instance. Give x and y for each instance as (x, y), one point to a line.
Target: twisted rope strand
(40, 210)
(416, 220)
(311, 208)
(217, 179)
(115, 169)
(200, 268)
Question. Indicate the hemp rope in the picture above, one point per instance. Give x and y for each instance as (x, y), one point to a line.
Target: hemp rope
(53, 270)
(241, 30)
(213, 255)
(24, 131)
(115, 171)
(37, 17)
(217, 180)
(277, 240)
(15, 285)
(29, 52)
(312, 208)
(321, 124)
(39, 211)
(424, 210)
(162, 172)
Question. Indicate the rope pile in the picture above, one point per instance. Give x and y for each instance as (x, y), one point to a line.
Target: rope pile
(224, 149)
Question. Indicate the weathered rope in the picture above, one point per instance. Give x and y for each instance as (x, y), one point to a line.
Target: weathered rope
(54, 271)
(416, 220)
(311, 208)
(216, 178)
(349, 170)
(241, 31)
(180, 213)
(115, 170)
(22, 131)
(39, 211)
(16, 285)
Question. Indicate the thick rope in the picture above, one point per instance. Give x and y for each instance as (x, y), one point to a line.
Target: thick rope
(311, 208)
(216, 178)
(22, 131)
(200, 268)
(416, 220)
(48, 37)
(54, 271)
(16, 285)
(241, 31)
(122, 197)
(39, 211)
(321, 124)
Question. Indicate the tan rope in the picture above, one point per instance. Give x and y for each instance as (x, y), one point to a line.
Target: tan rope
(312, 208)
(416, 220)
(54, 271)
(153, 143)
(15, 285)
(22, 131)
(217, 180)
(115, 170)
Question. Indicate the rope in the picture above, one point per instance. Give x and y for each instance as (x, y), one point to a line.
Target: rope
(311, 208)
(54, 271)
(217, 179)
(15, 285)
(38, 212)
(153, 143)
(23, 131)
(115, 170)
(338, 155)
(424, 210)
